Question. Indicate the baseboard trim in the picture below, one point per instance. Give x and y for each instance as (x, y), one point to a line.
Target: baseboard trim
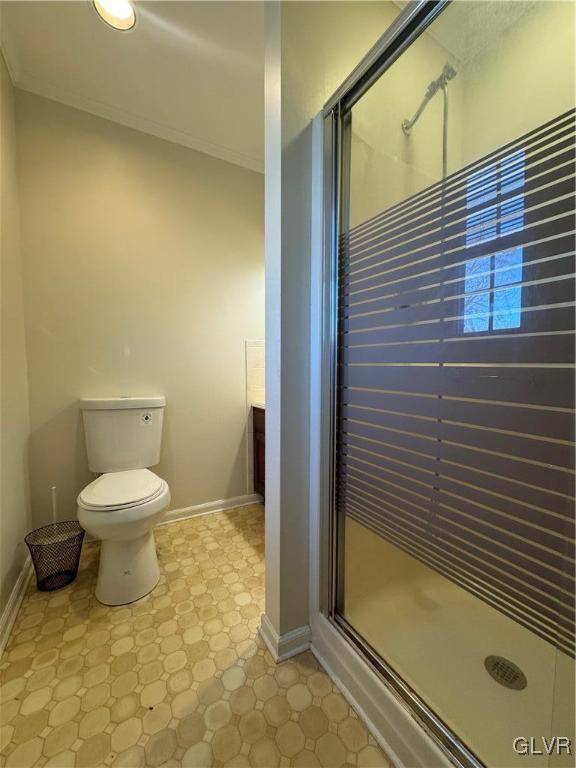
(14, 602)
(401, 737)
(283, 647)
(221, 505)
(175, 515)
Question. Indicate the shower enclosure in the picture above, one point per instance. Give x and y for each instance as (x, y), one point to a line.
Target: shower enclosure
(450, 225)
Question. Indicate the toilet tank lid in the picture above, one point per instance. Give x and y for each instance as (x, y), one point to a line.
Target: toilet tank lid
(119, 403)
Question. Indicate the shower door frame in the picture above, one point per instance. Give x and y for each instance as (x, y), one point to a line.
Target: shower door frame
(405, 30)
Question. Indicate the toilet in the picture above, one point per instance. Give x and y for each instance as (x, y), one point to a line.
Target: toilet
(125, 502)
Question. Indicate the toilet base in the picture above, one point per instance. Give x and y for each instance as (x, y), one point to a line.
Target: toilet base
(128, 570)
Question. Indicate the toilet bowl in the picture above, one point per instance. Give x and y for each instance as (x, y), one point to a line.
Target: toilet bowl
(121, 509)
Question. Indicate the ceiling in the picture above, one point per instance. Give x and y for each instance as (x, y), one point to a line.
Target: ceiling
(189, 72)
(467, 27)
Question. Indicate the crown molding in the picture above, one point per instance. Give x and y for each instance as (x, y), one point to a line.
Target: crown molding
(39, 87)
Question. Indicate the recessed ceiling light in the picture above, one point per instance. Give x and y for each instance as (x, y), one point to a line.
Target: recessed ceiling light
(117, 13)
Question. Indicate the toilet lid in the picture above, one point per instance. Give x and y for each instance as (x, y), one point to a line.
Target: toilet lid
(115, 489)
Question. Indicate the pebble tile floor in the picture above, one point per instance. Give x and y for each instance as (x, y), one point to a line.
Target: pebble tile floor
(179, 678)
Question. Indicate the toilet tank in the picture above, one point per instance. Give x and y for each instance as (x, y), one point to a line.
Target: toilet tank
(122, 432)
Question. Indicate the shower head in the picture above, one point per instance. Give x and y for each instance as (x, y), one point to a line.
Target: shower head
(441, 82)
(448, 73)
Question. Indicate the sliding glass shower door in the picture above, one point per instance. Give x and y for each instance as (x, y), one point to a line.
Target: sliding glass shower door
(454, 484)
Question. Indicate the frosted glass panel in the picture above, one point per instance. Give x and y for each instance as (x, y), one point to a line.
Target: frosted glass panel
(455, 391)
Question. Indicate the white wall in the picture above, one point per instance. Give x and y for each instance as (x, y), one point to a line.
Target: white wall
(311, 48)
(500, 92)
(522, 79)
(14, 422)
(386, 166)
(143, 274)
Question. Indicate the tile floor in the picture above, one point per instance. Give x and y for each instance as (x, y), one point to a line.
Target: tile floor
(179, 678)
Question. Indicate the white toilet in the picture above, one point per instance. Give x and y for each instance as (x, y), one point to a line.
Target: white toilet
(122, 506)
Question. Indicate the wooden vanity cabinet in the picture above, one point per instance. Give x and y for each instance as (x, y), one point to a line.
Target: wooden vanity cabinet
(259, 450)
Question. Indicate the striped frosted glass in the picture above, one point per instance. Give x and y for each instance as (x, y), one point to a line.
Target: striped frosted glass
(456, 378)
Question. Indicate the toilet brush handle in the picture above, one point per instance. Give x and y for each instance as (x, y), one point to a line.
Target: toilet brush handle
(53, 492)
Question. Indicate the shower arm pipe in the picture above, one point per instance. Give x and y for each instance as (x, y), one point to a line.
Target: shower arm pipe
(444, 87)
(441, 83)
(407, 125)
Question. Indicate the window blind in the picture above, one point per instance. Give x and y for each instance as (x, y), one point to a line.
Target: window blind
(455, 386)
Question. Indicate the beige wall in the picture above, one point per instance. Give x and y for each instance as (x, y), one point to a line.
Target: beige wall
(386, 165)
(522, 79)
(311, 48)
(487, 108)
(14, 422)
(143, 274)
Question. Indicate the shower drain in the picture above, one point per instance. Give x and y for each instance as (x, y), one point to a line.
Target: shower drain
(505, 672)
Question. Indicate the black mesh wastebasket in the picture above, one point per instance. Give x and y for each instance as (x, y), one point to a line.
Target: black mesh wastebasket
(55, 551)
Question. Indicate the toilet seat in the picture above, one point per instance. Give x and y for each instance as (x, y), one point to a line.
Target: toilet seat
(121, 490)
(128, 567)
